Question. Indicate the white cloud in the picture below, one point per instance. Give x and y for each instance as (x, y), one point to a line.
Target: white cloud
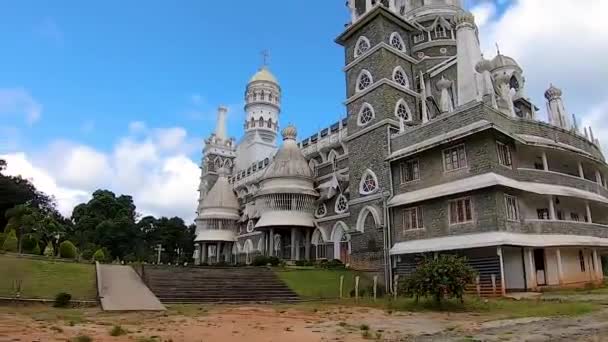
(151, 165)
(563, 42)
(483, 12)
(137, 127)
(18, 101)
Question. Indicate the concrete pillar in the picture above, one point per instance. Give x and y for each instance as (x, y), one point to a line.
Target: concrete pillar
(307, 244)
(293, 244)
(200, 253)
(598, 177)
(502, 271)
(552, 215)
(205, 252)
(581, 172)
(560, 270)
(368, 5)
(588, 211)
(271, 242)
(532, 282)
(545, 161)
(596, 263)
(218, 251)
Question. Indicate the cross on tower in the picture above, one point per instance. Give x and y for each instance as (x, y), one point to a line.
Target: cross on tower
(265, 57)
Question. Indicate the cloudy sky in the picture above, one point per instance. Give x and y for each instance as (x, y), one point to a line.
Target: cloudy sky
(120, 95)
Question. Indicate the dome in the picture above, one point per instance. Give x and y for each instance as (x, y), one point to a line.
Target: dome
(484, 65)
(220, 202)
(264, 75)
(501, 61)
(553, 93)
(289, 160)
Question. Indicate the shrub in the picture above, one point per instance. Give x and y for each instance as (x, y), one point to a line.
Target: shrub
(10, 242)
(117, 330)
(221, 264)
(445, 276)
(304, 263)
(274, 261)
(35, 250)
(260, 260)
(28, 243)
(67, 250)
(62, 300)
(99, 255)
(331, 264)
(82, 338)
(2, 236)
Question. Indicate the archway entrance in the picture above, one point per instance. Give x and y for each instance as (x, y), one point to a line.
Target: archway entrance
(341, 242)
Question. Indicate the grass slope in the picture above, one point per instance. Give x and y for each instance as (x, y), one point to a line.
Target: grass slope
(44, 279)
(321, 283)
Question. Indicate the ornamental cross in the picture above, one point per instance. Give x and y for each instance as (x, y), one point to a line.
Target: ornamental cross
(265, 57)
(159, 248)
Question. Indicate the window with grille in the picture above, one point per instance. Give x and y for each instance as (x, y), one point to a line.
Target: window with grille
(400, 77)
(369, 183)
(504, 154)
(366, 114)
(461, 211)
(512, 208)
(397, 42)
(543, 214)
(321, 210)
(440, 32)
(341, 204)
(365, 80)
(419, 38)
(412, 218)
(410, 171)
(402, 111)
(250, 226)
(362, 46)
(454, 158)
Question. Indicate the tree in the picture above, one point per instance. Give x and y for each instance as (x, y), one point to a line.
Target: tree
(67, 250)
(10, 242)
(441, 277)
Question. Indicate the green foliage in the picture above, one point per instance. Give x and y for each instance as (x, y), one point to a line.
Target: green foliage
(2, 236)
(260, 260)
(67, 250)
(82, 338)
(331, 264)
(35, 250)
(10, 242)
(304, 263)
(62, 300)
(274, 261)
(99, 256)
(117, 330)
(438, 278)
(29, 243)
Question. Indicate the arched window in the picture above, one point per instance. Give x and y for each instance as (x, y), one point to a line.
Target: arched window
(341, 204)
(362, 46)
(366, 114)
(250, 226)
(364, 80)
(321, 210)
(318, 242)
(270, 97)
(369, 183)
(313, 165)
(440, 31)
(261, 122)
(402, 110)
(252, 123)
(331, 157)
(269, 125)
(400, 77)
(397, 42)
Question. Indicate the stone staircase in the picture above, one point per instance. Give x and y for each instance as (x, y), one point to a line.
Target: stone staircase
(216, 285)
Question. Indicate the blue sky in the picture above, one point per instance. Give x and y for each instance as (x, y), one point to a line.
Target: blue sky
(120, 94)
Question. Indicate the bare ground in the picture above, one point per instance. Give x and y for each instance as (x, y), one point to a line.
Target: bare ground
(290, 323)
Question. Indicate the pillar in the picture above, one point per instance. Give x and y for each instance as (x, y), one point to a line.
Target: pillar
(205, 253)
(598, 177)
(560, 270)
(218, 251)
(307, 244)
(533, 283)
(545, 161)
(581, 172)
(200, 253)
(588, 211)
(271, 242)
(502, 271)
(551, 209)
(293, 244)
(368, 5)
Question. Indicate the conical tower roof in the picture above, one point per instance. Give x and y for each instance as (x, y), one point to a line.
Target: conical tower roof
(220, 202)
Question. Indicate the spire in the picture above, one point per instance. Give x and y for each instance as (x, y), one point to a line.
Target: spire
(555, 108)
(220, 127)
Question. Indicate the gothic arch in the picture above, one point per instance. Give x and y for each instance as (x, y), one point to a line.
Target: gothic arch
(402, 110)
(400, 77)
(363, 45)
(368, 210)
(364, 80)
(261, 244)
(366, 114)
(341, 240)
(368, 183)
(248, 250)
(332, 156)
(395, 40)
(319, 236)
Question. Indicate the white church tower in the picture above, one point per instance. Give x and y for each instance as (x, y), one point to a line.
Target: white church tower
(263, 106)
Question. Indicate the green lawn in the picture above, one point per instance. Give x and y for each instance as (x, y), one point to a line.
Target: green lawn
(44, 279)
(321, 283)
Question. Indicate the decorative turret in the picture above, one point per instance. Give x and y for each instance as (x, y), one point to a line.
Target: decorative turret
(555, 108)
(468, 55)
(484, 67)
(505, 93)
(445, 101)
(502, 64)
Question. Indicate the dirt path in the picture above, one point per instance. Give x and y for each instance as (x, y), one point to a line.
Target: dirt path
(291, 323)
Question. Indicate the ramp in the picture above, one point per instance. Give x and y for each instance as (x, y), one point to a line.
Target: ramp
(121, 289)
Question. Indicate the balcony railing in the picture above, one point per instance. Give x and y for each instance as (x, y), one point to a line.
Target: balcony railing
(535, 226)
(558, 178)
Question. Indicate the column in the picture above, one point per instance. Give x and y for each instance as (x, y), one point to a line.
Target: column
(596, 273)
(581, 172)
(560, 271)
(533, 283)
(205, 252)
(588, 211)
(551, 209)
(598, 177)
(545, 161)
(502, 271)
(200, 253)
(271, 242)
(218, 252)
(293, 244)
(307, 244)
(368, 5)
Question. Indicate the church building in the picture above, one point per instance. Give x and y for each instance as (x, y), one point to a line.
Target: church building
(442, 151)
